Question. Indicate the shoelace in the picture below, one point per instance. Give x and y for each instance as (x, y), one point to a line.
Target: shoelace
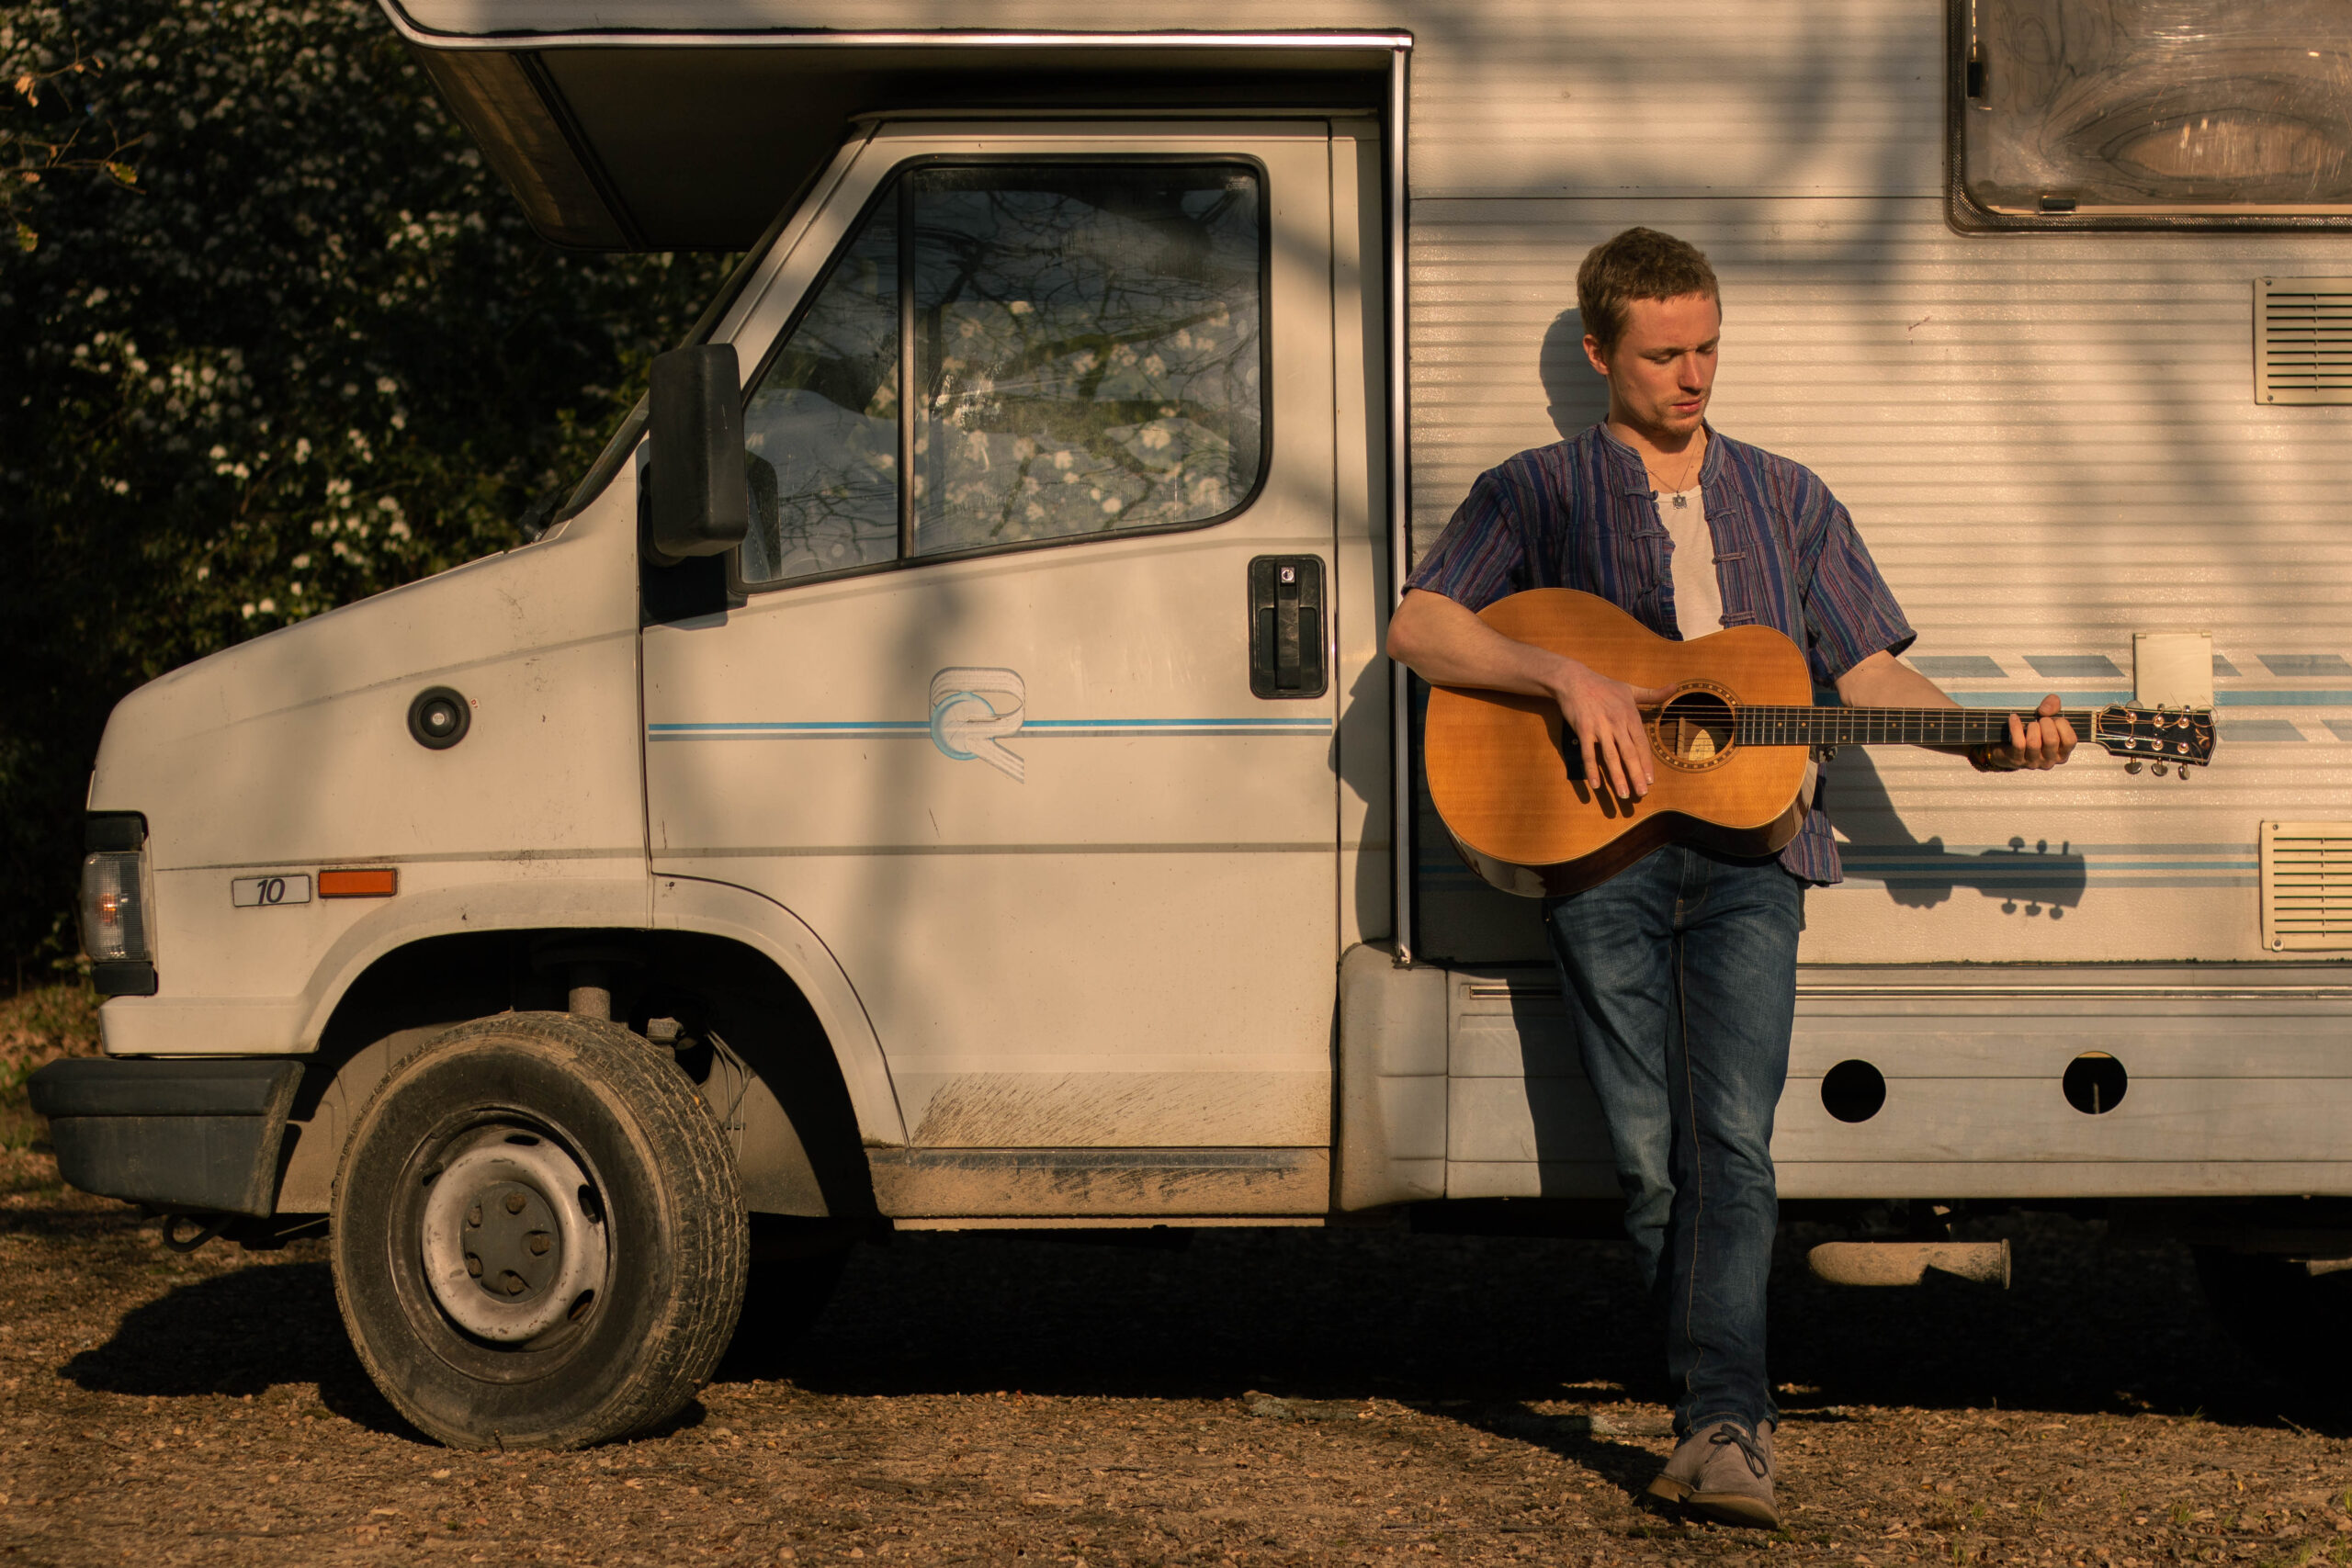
(1749, 1448)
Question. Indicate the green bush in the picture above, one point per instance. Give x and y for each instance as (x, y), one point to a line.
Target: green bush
(272, 338)
(38, 1025)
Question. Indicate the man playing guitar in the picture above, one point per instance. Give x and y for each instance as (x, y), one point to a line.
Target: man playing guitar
(1681, 971)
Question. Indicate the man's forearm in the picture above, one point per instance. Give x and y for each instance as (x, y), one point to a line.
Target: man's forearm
(1883, 680)
(1446, 644)
(1443, 643)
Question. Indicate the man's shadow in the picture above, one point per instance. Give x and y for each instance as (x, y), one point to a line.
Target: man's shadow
(1575, 396)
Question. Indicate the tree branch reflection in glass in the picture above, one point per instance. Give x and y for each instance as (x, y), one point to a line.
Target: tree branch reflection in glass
(1087, 349)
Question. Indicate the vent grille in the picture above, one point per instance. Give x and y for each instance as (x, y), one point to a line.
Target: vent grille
(2306, 886)
(2302, 340)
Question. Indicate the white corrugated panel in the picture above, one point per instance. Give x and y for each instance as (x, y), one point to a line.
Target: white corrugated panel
(1593, 99)
(2047, 443)
(2046, 440)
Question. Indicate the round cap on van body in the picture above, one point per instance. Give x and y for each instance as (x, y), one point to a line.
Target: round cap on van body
(439, 717)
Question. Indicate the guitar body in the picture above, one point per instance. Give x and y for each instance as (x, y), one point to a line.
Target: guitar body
(1508, 784)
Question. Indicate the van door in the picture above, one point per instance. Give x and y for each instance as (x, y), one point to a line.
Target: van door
(1023, 704)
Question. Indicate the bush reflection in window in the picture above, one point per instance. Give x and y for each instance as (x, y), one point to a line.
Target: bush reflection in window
(1087, 349)
(1086, 345)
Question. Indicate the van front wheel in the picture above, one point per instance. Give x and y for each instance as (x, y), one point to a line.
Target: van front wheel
(538, 1236)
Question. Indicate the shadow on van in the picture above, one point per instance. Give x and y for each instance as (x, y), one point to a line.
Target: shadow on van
(1920, 873)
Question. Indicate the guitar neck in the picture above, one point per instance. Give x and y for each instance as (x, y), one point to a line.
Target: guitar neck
(1887, 727)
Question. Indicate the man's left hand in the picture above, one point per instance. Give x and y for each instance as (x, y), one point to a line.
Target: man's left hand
(2043, 741)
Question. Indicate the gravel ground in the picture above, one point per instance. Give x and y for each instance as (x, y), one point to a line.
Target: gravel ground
(1276, 1396)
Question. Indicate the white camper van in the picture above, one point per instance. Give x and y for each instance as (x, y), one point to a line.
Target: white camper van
(938, 771)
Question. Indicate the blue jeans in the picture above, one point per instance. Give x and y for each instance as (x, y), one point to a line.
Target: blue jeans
(1680, 977)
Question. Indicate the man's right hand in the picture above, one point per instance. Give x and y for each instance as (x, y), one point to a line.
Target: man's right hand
(1449, 645)
(1605, 715)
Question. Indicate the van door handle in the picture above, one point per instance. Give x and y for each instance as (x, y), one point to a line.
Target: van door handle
(1286, 626)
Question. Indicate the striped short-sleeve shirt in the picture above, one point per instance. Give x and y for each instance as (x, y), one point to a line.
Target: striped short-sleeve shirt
(1583, 514)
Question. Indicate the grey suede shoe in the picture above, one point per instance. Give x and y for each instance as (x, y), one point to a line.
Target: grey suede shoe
(1724, 1472)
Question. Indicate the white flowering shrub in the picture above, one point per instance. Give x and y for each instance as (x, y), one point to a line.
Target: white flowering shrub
(279, 340)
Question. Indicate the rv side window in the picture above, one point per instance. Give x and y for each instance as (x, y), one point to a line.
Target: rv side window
(2153, 111)
(1087, 346)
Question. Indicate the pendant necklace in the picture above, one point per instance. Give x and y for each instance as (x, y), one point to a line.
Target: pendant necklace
(1681, 492)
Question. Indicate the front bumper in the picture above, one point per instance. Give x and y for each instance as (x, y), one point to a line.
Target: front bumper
(187, 1134)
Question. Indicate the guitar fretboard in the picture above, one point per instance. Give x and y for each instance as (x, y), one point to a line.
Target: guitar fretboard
(1886, 726)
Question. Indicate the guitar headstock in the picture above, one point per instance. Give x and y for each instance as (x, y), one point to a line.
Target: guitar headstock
(2183, 737)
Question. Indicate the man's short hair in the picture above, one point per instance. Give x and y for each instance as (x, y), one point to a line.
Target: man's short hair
(1640, 263)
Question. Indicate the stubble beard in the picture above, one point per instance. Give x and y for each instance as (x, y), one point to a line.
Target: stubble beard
(1663, 431)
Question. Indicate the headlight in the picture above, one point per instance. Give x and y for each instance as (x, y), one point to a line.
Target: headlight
(114, 906)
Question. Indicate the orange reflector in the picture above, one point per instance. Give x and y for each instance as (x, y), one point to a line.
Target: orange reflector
(374, 882)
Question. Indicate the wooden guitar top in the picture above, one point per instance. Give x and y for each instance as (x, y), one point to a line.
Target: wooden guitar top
(1501, 775)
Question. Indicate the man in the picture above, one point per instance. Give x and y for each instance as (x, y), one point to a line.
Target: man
(1681, 971)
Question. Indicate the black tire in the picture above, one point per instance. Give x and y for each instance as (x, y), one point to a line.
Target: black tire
(572, 1166)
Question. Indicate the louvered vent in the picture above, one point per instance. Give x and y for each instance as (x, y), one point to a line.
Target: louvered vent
(2306, 886)
(2302, 340)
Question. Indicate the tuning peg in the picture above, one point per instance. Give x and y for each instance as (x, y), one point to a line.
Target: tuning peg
(2183, 770)
(2157, 769)
(2133, 766)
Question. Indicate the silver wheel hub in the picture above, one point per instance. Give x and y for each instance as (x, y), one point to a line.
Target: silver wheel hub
(514, 1245)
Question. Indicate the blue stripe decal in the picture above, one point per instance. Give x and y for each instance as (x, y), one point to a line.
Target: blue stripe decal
(1994, 881)
(1866, 863)
(2242, 699)
(1992, 870)
(1082, 728)
(911, 726)
(1983, 880)
(2232, 699)
(1036, 724)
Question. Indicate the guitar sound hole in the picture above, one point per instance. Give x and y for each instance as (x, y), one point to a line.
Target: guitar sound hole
(1694, 729)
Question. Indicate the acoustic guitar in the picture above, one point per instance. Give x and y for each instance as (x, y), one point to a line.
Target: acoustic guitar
(1732, 742)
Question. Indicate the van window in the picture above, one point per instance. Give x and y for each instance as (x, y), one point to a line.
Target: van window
(1087, 342)
(1086, 349)
(821, 432)
(2149, 111)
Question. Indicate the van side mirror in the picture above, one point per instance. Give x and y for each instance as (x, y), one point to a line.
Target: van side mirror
(696, 501)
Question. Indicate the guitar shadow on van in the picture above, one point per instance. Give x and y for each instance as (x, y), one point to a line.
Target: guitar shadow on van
(1920, 874)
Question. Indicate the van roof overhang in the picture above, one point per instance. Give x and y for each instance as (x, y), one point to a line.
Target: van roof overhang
(687, 125)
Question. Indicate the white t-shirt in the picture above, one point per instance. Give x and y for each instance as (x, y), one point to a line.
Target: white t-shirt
(1698, 593)
(1698, 596)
